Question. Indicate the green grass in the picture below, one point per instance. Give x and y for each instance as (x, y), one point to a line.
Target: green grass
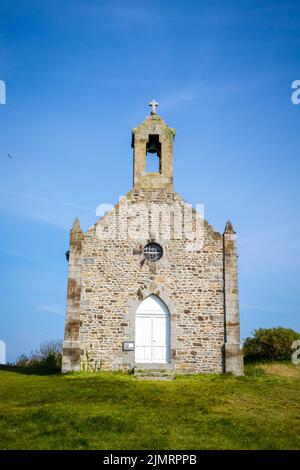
(116, 411)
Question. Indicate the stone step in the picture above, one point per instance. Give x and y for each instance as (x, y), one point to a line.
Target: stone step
(152, 374)
(149, 377)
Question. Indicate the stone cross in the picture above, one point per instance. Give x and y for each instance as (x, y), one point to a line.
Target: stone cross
(153, 105)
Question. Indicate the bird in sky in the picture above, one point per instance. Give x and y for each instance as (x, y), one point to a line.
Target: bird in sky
(10, 156)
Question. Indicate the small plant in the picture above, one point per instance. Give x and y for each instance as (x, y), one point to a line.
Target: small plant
(86, 364)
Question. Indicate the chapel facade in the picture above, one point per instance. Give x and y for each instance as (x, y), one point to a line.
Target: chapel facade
(152, 286)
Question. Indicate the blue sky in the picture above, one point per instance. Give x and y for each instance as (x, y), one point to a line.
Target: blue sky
(79, 75)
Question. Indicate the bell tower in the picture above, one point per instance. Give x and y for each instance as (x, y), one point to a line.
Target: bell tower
(153, 139)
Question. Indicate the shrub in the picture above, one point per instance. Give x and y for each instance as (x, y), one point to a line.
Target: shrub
(47, 357)
(22, 361)
(270, 344)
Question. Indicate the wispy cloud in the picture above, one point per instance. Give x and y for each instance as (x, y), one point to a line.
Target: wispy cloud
(200, 90)
(262, 308)
(265, 236)
(120, 12)
(177, 98)
(133, 13)
(257, 307)
(45, 199)
(24, 257)
(39, 208)
(51, 309)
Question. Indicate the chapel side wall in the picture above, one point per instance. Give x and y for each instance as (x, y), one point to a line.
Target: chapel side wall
(114, 281)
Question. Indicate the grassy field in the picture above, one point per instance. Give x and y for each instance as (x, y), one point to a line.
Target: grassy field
(116, 411)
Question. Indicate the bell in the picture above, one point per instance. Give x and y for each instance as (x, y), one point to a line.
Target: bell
(152, 147)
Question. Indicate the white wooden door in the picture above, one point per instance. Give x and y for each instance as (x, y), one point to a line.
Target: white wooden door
(152, 335)
(143, 338)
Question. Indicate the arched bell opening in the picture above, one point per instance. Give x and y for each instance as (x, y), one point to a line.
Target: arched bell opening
(153, 154)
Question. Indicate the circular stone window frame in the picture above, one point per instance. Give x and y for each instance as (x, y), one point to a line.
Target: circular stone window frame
(159, 252)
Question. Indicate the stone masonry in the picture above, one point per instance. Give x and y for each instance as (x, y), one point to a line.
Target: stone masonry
(109, 276)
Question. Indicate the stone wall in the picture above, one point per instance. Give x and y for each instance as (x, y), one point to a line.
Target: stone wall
(116, 277)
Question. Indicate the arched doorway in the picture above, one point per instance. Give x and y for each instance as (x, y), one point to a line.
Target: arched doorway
(152, 331)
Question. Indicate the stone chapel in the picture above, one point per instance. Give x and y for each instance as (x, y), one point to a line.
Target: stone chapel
(145, 294)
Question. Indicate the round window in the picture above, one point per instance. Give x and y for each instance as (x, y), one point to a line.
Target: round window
(153, 252)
